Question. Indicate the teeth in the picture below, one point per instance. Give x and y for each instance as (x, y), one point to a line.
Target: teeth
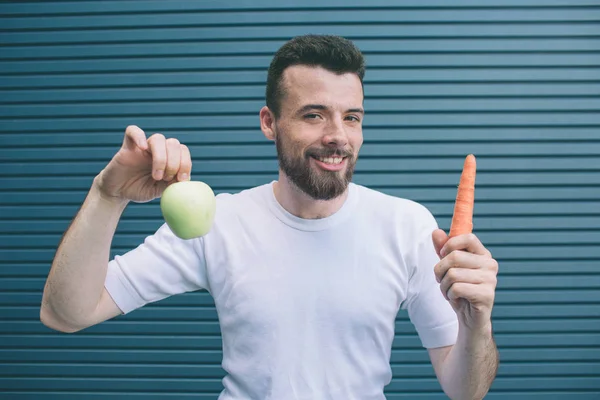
(330, 160)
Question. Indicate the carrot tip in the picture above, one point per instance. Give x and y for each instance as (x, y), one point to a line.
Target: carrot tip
(462, 219)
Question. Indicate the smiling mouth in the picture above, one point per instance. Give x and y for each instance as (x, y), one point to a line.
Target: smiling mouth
(332, 164)
(330, 160)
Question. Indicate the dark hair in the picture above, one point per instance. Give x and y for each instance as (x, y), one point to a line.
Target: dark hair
(333, 53)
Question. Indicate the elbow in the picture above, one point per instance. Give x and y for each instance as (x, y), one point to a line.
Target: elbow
(464, 397)
(478, 393)
(50, 320)
(471, 389)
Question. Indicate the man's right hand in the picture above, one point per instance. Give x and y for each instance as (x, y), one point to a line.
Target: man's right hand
(143, 168)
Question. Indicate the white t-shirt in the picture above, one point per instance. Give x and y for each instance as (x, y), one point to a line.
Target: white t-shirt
(307, 308)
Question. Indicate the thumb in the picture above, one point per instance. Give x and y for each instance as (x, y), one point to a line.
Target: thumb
(439, 238)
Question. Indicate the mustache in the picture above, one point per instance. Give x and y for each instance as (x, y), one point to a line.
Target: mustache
(329, 153)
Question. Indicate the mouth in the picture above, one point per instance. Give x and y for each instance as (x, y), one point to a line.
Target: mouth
(335, 163)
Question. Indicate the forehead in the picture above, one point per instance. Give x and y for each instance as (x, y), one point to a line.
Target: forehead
(315, 85)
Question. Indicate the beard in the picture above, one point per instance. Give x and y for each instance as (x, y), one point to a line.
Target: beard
(316, 183)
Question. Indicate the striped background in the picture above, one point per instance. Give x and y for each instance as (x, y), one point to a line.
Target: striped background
(517, 83)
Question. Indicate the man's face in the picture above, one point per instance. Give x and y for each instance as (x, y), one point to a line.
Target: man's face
(319, 130)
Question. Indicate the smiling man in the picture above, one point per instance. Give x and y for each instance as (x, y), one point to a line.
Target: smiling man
(314, 114)
(308, 272)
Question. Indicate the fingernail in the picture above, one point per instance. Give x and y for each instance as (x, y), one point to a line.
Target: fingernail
(184, 177)
(158, 175)
(443, 252)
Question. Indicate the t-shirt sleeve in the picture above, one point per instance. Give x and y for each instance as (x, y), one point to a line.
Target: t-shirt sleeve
(431, 314)
(163, 265)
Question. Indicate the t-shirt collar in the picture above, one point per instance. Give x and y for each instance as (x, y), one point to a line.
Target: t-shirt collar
(311, 224)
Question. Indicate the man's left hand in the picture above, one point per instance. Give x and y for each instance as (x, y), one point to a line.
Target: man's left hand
(467, 274)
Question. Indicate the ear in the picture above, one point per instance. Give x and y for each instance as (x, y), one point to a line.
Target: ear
(267, 123)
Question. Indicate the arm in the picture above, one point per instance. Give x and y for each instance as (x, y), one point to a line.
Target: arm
(467, 275)
(74, 295)
(467, 369)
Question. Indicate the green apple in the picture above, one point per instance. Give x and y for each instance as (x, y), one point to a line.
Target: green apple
(188, 207)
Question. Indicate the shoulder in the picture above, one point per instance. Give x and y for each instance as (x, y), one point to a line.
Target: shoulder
(399, 209)
(232, 208)
(242, 199)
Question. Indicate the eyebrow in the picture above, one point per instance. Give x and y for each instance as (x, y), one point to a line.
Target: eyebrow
(309, 107)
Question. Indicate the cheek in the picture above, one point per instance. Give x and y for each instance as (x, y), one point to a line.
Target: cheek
(356, 140)
(292, 147)
(300, 138)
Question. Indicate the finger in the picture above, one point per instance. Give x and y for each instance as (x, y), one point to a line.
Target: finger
(474, 294)
(463, 275)
(185, 167)
(134, 137)
(468, 242)
(439, 239)
(173, 158)
(158, 149)
(462, 259)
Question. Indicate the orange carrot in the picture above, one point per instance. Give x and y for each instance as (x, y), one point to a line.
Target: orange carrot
(462, 220)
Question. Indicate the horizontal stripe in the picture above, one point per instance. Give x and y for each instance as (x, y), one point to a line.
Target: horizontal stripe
(367, 13)
(559, 28)
(158, 6)
(268, 46)
(251, 62)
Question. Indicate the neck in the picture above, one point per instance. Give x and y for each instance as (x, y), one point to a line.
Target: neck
(298, 203)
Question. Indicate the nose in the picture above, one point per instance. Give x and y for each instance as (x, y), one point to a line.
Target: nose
(335, 134)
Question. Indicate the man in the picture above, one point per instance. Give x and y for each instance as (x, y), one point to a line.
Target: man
(307, 272)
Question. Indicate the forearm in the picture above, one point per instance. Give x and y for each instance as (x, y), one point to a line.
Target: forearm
(76, 279)
(471, 366)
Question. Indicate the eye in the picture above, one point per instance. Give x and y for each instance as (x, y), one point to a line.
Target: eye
(311, 116)
(353, 118)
